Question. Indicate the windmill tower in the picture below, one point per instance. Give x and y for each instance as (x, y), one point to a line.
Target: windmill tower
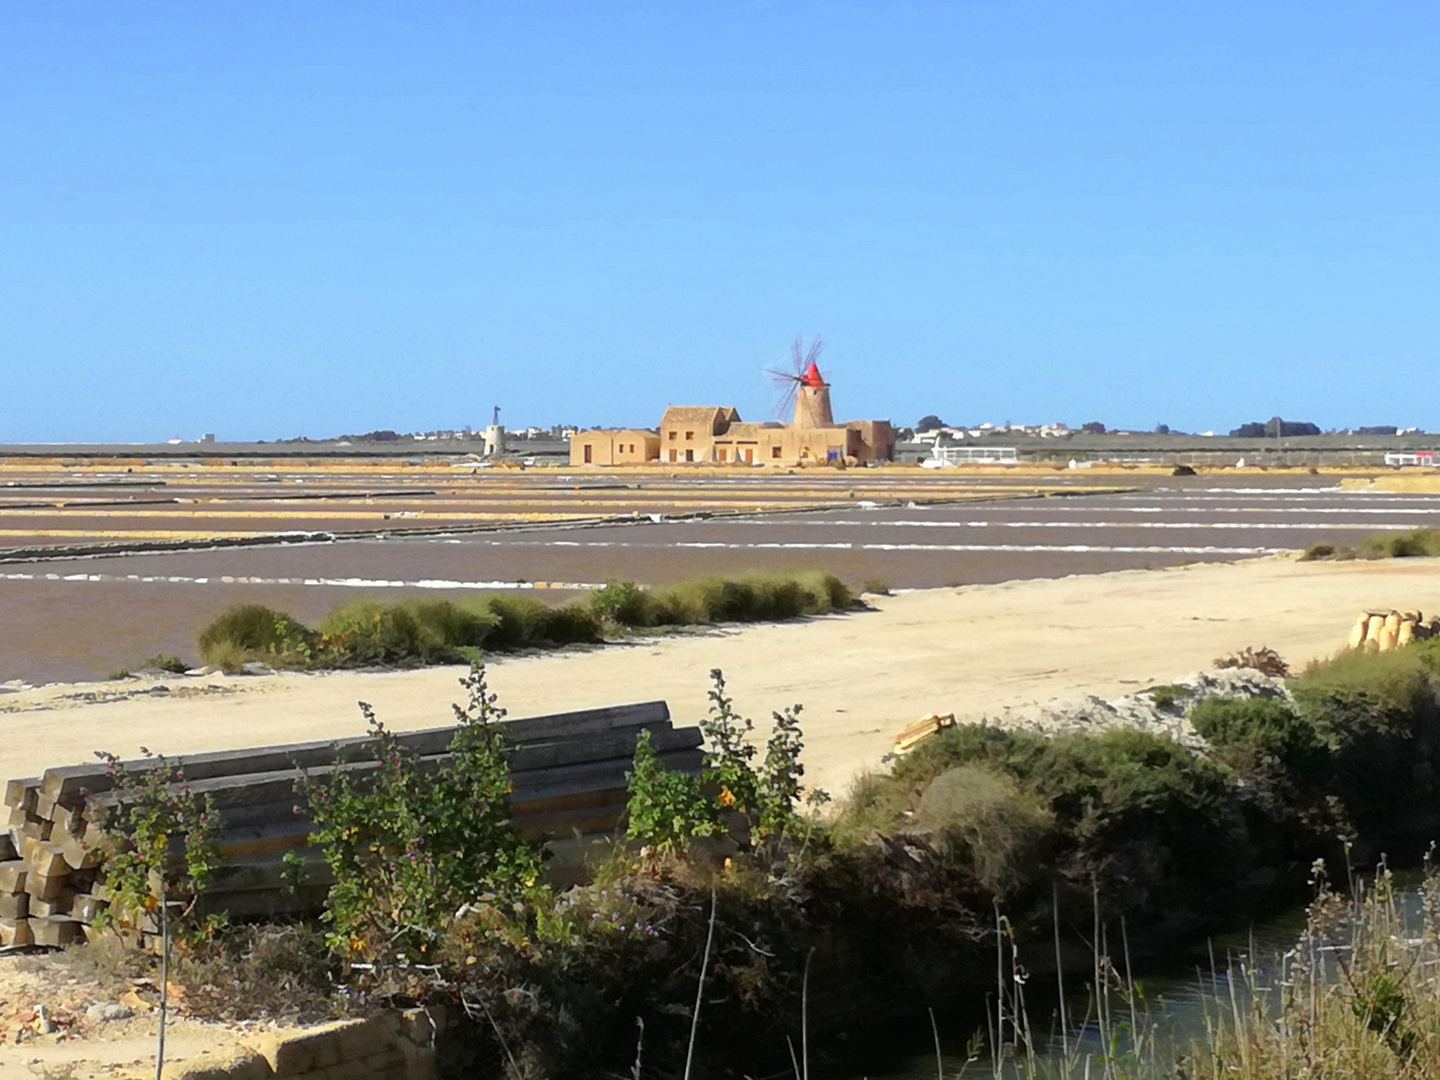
(806, 388)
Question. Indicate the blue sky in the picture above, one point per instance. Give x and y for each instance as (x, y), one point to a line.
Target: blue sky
(271, 219)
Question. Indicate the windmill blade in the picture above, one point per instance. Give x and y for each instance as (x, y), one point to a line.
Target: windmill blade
(795, 349)
(814, 353)
(786, 402)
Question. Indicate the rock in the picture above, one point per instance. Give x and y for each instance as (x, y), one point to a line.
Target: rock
(1142, 711)
(44, 1025)
(109, 1010)
(255, 667)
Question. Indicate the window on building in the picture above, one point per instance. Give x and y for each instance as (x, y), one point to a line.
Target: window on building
(774, 451)
(689, 455)
(689, 435)
(672, 436)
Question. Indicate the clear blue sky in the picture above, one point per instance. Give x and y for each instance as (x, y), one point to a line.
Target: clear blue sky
(266, 219)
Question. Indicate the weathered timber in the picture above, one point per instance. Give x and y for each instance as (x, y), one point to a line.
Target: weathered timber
(12, 875)
(229, 792)
(56, 930)
(67, 784)
(22, 793)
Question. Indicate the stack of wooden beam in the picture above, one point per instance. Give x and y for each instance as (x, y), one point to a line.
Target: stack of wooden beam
(567, 771)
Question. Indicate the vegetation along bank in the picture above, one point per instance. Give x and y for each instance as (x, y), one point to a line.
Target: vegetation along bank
(416, 632)
(735, 896)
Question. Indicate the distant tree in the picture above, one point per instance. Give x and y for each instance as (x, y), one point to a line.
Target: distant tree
(1094, 427)
(1162, 429)
(1378, 429)
(1275, 428)
(929, 423)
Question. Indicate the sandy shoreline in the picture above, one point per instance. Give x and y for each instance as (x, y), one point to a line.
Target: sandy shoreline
(974, 650)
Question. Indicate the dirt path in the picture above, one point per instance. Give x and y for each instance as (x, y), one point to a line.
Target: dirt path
(972, 650)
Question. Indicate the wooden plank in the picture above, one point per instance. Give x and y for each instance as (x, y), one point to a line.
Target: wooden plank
(87, 907)
(12, 875)
(264, 903)
(57, 930)
(45, 888)
(61, 905)
(262, 872)
(229, 792)
(67, 784)
(22, 793)
(585, 822)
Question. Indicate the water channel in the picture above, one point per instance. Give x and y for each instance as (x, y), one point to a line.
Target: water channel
(1171, 1004)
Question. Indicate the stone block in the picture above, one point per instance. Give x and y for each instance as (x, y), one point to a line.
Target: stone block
(232, 1063)
(353, 1069)
(295, 1053)
(388, 1065)
(14, 905)
(364, 1038)
(15, 932)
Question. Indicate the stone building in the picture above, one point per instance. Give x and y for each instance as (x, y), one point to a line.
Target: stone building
(691, 434)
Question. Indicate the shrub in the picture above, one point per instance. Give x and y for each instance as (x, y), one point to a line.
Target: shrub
(1400, 545)
(167, 662)
(750, 599)
(409, 846)
(145, 812)
(982, 821)
(569, 624)
(1170, 695)
(1378, 716)
(412, 631)
(666, 808)
(623, 603)
(1263, 735)
(252, 631)
(1331, 552)
(518, 621)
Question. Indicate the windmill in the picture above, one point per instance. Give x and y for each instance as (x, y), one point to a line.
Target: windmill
(796, 389)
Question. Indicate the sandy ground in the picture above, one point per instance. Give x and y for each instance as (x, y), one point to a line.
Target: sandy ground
(974, 650)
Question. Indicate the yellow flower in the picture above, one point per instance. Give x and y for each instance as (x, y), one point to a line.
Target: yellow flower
(727, 797)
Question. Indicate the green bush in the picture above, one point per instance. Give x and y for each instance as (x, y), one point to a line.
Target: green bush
(982, 822)
(254, 632)
(569, 624)
(167, 662)
(518, 621)
(1249, 729)
(749, 599)
(1378, 717)
(408, 845)
(1400, 545)
(411, 631)
(623, 603)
